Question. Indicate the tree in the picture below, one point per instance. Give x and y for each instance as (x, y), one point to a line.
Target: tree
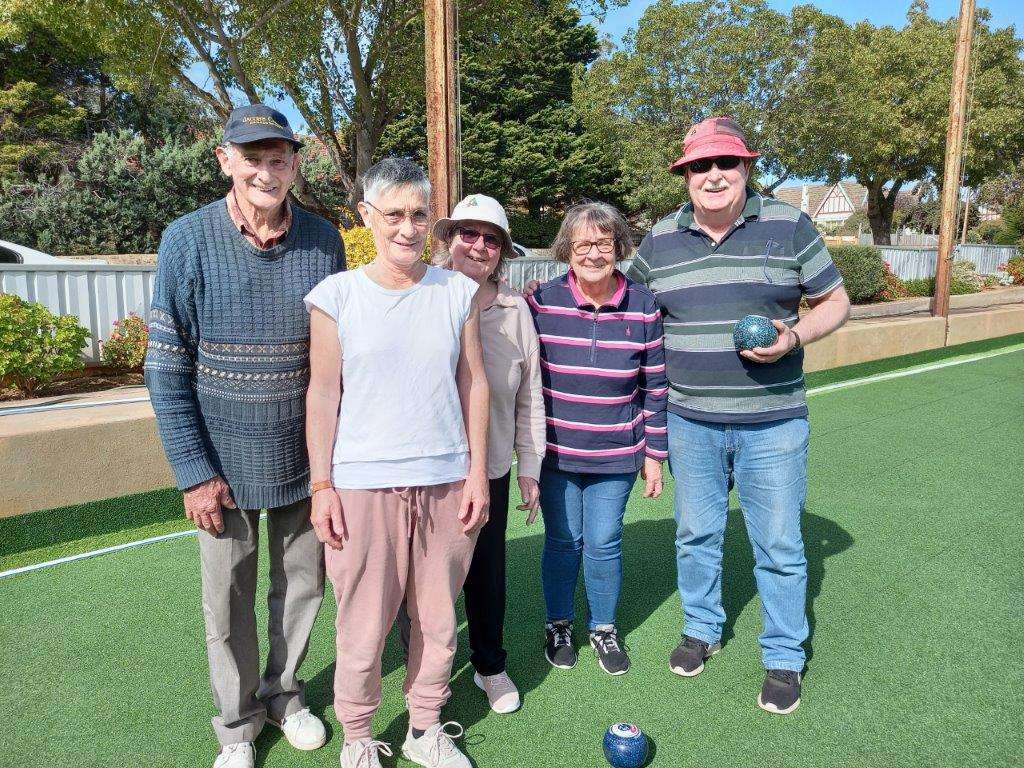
(878, 100)
(348, 66)
(523, 140)
(687, 61)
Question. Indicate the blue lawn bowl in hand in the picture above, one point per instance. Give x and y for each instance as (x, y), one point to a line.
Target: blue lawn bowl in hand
(625, 746)
(754, 331)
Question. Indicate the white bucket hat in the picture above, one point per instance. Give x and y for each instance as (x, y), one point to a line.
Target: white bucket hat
(477, 208)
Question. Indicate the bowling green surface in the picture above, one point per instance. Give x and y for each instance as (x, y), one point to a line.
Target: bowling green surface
(914, 527)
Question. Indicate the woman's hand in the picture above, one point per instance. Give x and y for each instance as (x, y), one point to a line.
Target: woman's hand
(476, 499)
(651, 474)
(529, 491)
(328, 518)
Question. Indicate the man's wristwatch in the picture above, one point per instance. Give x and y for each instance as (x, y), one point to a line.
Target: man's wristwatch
(799, 341)
(320, 485)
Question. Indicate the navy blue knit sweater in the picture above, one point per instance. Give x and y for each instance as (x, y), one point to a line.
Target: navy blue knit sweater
(228, 358)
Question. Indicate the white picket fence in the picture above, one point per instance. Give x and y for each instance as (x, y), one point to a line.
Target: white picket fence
(98, 294)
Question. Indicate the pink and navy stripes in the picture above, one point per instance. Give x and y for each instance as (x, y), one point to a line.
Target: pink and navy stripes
(603, 370)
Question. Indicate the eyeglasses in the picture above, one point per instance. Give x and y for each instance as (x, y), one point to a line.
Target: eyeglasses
(470, 236)
(419, 217)
(604, 245)
(725, 163)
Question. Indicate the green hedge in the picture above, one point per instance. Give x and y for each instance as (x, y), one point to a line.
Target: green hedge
(534, 232)
(863, 271)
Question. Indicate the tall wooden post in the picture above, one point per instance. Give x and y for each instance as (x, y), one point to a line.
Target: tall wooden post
(954, 147)
(442, 105)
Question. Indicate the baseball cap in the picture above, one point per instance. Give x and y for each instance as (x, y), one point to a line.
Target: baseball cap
(256, 122)
(477, 208)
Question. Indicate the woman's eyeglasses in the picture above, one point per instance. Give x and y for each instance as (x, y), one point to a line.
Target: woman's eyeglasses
(470, 236)
(724, 163)
(419, 217)
(604, 245)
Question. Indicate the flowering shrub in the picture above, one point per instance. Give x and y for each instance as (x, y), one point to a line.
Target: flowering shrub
(36, 345)
(894, 287)
(1015, 268)
(126, 347)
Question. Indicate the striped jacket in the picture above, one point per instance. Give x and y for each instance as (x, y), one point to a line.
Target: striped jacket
(603, 372)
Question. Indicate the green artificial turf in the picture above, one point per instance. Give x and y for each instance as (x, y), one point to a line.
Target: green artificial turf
(913, 531)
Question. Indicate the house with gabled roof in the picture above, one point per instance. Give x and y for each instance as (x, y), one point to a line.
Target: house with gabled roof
(826, 204)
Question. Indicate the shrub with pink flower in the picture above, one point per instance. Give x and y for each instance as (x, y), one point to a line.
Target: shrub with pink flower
(126, 347)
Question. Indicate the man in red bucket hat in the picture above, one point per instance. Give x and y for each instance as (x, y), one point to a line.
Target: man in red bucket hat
(738, 414)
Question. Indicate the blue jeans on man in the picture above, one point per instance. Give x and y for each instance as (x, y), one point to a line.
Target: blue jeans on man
(583, 521)
(769, 464)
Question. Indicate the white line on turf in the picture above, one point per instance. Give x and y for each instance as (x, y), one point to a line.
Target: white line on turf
(103, 551)
(815, 391)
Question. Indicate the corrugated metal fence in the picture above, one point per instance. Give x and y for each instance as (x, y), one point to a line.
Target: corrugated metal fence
(98, 294)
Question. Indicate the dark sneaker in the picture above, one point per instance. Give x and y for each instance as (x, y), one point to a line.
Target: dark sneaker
(689, 656)
(558, 649)
(610, 653)
(781, 691)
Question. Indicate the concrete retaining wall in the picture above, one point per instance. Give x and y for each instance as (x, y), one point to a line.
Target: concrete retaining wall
(58, 458)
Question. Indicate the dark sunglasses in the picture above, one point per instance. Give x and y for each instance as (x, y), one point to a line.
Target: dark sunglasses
(724, 163)
(470, 236)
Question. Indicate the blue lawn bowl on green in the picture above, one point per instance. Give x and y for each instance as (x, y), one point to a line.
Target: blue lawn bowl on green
(754, 331)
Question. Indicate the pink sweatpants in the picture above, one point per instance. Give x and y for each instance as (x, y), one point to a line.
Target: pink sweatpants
(403, 543)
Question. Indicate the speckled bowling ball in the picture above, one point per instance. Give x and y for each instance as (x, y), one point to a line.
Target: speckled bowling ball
(754, 331)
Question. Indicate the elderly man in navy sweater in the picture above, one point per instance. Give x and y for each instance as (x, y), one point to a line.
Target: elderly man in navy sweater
(227, 368)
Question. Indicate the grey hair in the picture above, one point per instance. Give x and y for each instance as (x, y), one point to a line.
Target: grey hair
(393, 172)
(604, 218)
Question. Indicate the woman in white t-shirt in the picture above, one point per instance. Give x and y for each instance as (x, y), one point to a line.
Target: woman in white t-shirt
(399, 471)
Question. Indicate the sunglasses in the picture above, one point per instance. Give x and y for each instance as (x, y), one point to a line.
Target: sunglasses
(724, 163)
(470, 236)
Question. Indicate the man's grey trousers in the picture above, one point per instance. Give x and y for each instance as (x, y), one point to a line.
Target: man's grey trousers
(244, 699)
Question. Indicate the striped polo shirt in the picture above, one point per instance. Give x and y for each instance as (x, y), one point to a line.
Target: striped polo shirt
(603, 374)
(771, 258)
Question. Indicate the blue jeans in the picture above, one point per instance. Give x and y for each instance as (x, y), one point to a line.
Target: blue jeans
(769, 464)
(583, 518)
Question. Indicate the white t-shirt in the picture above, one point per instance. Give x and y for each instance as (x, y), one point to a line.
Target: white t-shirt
(400, 422)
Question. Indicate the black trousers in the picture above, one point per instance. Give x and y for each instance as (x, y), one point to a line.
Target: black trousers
(484, 589)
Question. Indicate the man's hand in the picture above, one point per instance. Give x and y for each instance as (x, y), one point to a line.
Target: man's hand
(782, 346)
(328, 518)
(530, 493)
(203, 504)
(651, 474)
(531, 287)
(476, 498)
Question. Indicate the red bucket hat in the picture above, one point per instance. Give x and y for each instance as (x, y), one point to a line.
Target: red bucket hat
(714, 137)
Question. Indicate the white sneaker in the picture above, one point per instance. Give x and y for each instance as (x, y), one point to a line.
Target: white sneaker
(303, 729)
(435, 748)
(240, 755)
(502, 693)
(363, 753)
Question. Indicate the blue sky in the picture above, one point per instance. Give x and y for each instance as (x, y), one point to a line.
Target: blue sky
(878, 12)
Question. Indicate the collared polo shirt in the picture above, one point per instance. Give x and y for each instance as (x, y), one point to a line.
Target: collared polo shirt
(276, 236)
(772, 257)
(603, 371)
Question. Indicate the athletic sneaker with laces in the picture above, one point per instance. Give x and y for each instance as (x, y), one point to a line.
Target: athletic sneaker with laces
(781, 691)
(502, 694)
(435, 748)
(303, 729)
(689, 656)
(558, 649)
(364, 753)
(611, 654)
(240, 755)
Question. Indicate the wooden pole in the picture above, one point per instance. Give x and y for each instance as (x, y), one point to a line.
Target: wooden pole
(967, 215)
(442, 105)
(954, 146)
